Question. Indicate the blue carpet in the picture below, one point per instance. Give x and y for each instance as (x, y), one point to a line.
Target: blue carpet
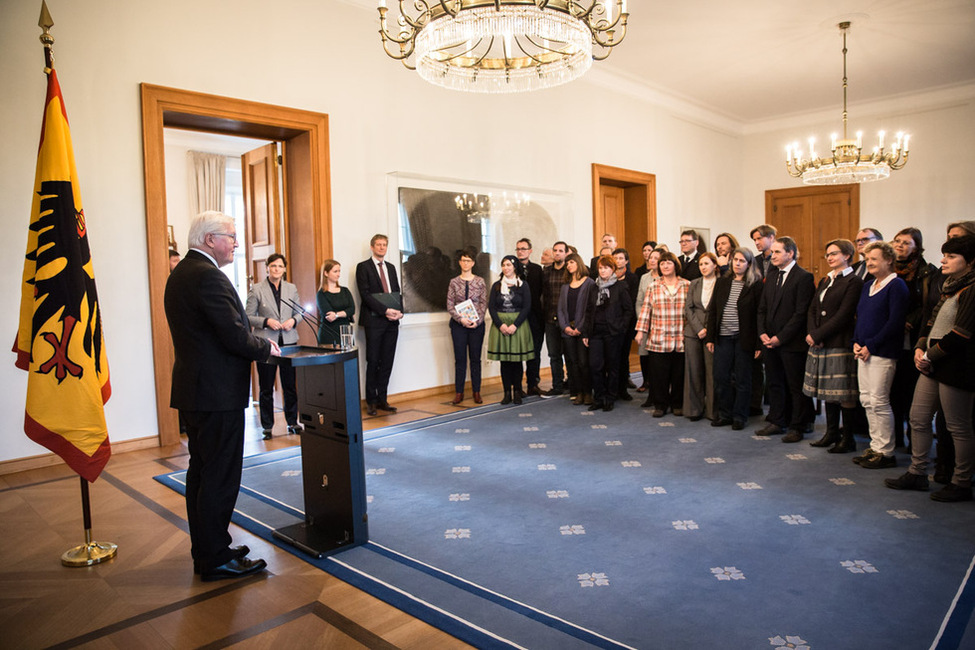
(550, 526)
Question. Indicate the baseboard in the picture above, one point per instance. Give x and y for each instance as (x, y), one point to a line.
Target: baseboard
(50, 460)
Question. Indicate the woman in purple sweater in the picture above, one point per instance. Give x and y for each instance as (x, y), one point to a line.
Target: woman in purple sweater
(877, 342)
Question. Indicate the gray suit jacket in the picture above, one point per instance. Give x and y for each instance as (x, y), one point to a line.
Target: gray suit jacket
(261, 306)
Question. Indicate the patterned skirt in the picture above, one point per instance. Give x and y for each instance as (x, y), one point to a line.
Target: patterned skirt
(518, 347)
(831, 375)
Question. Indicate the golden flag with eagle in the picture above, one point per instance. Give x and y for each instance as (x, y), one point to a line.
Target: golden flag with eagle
(59, 341)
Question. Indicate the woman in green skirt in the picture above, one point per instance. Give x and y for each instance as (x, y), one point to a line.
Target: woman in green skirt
(510, 343)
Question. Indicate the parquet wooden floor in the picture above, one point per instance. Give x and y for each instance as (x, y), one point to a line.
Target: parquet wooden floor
(148, 597)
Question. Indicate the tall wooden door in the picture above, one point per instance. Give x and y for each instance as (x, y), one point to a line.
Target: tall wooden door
(259, 171)
(813, 216)
(262, 220)
(614, 215)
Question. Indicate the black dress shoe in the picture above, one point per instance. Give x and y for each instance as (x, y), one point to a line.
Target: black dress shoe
(769, 430)
(267, 434)
(370, 408)
(626, 397)
(608, 406)
(533, 391)
(293, 430)
(793, 436)
(386, 406)
(238, 551)
(737, 425)
(695, 418)
(235, 568)
(595, 406)
(720, 422)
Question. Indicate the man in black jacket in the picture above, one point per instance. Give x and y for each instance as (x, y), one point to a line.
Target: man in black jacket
(531, 274)
(782, 313)
(380, 316)
(211, 381)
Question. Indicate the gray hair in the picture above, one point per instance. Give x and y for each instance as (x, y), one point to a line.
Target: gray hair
(206, 223)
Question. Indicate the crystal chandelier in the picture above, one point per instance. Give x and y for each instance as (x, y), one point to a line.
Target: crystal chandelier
(848, 163)
(502, 46)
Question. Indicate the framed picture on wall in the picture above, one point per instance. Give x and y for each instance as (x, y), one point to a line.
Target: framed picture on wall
(433, 219)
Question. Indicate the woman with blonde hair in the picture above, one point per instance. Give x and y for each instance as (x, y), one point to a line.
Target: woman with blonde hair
(335, 304)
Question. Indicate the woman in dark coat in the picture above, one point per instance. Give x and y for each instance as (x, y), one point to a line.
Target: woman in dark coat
(573, 301)
(510, 340)
(944, 357)
(609, 310)
(733, 338)
(831, 368)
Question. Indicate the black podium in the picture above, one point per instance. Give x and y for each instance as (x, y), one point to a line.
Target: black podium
(332, 463)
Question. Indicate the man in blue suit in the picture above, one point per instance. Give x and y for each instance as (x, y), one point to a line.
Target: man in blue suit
(211, 382)
(373, 277)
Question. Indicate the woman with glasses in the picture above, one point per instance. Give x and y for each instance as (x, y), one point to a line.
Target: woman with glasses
(271, 315)
(466, 303)
(831, 368)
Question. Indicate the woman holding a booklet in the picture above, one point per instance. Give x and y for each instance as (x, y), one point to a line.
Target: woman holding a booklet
(467, 302)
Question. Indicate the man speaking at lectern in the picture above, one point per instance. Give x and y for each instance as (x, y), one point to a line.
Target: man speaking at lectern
(211, 381)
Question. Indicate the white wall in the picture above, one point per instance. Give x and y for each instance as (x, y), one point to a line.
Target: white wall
(382, 119)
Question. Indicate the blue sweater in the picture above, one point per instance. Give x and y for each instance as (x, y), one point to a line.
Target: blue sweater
(881, 319)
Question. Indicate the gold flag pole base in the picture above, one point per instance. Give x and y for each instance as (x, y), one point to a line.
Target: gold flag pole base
(89, 554)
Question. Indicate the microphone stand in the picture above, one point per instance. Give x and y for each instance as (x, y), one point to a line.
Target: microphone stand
(310, 319)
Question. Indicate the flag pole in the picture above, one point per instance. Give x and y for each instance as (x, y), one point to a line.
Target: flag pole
(90, 552)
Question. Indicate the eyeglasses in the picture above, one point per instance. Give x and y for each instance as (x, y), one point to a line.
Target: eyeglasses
(521, 248)
(686, 241)
(864, 240)
(225, 234)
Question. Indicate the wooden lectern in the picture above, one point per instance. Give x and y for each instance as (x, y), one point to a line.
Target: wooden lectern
(332, 463)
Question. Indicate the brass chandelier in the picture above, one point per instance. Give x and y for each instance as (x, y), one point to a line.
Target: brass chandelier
(848, 164)
(502, 46)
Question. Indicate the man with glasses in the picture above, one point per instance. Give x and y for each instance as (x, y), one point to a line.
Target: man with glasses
(533, 277)
(214, 348)
(689, 255)
(382, 309)
(863, 238)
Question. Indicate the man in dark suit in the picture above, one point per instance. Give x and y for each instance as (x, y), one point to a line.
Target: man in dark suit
(690, 254)
(632, 282)
(782, 313)
(532, 275)
(211, 381)
(380, 317)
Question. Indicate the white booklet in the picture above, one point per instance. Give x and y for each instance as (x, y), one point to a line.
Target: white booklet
(466, 310)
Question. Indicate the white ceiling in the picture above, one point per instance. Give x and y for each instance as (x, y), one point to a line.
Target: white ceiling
(755, 61)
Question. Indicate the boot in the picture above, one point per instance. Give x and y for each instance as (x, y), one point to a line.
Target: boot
(846, 444)
(507, 396)
(517, 396)
(587, 398)
(458, 398)
(832, 435)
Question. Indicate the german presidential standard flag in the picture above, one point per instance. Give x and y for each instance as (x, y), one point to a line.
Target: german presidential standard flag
(60, 342)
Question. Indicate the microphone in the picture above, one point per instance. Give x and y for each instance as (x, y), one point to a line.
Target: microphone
(310, 319)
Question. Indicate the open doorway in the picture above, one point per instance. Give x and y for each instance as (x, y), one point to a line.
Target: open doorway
(306, 196)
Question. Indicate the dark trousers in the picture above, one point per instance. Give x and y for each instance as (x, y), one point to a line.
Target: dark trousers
(533, 366)
(624, 372)
(380, 352)
(577, 365)
(757, 391)
(511, 372)
(732, 379)
(667, 380)
(788, 406)
(468, 342)
(554, 341)
(604, 366)
(265, 380)
(216, 444)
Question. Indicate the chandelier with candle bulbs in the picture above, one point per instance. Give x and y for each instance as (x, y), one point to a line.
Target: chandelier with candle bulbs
(848, 164)
(502, 46)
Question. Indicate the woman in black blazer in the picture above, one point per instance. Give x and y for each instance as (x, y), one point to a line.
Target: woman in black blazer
(831, 370)
(608, 313)
(732, 335)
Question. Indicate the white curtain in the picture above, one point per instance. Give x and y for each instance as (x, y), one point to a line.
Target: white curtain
(207, 181)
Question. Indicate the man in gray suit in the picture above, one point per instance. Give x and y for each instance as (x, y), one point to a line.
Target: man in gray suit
(211, 381)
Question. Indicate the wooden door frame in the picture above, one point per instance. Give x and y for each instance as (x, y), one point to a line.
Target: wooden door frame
(307, 197)
(625, 178)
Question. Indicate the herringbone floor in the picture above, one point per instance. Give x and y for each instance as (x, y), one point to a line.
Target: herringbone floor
(147, 597)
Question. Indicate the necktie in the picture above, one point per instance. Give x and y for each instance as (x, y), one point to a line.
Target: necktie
(778, 280)
(382, 277)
